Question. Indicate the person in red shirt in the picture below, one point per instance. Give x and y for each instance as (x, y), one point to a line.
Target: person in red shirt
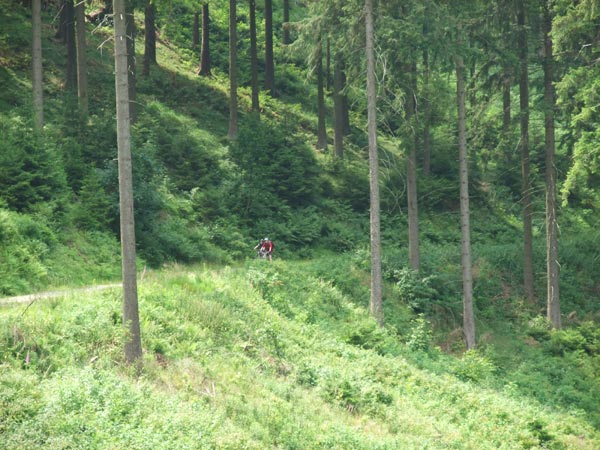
(265, 248)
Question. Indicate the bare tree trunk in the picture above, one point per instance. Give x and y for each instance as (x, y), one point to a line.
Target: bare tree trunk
(233, 115)
(71, 72)
(269, 61)
(321, 129)
(254, 58)
(525, 162)
(552, 267)
(338, 108)
(131, 69)
(196, 31)
(426, 103)
(149, 37)
(465, 226)
(36, 62)
(133, 344)
(82, 84)
(411, 175)
(205, 49)
(286, 20)
(376, 304)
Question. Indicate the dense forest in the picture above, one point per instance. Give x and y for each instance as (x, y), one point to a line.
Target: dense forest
(428, 172)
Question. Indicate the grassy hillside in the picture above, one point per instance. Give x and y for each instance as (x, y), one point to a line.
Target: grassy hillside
(278, 355)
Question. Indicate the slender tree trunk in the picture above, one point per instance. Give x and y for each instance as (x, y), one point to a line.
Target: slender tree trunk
(131, 69)
(149, 37)
(269, 62)
(525, 162)
(465, 226)
(552, 267)
(71, 72)
(321, 129)
(328, 66)
(286, 21)
(36, 62)
(196, 31)
(338, 107)
(205, 50)
(376, 304)
(411, 175)
(345, 106)
(254, 58)
(506, 103)
(61, 29)
(82, 84)
(133, 344)
(426, 103)
(233, 115)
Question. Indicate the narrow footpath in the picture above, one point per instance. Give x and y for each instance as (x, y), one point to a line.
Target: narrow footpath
(30, 298)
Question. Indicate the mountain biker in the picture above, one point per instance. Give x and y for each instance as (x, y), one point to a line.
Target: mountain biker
(265, 248)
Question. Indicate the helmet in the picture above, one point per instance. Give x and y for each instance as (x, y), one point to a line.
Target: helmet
(265, 239)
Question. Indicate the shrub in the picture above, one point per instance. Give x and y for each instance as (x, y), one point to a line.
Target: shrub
(473, 366)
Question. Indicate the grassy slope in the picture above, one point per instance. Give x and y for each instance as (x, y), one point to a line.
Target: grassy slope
(259, 356)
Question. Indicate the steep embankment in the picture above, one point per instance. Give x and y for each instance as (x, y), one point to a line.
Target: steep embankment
(280, 355)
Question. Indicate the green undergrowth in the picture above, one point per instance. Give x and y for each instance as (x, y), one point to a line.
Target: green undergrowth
(271, 355)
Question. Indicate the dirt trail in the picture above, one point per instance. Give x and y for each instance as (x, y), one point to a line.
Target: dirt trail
(54, 294)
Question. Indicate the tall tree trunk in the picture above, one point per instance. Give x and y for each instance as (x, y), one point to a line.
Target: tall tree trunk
(465, 226)
(286, 21)
(233, 115)
(525, 162)
(376, 303)
(328, 66)
(71, 72)
(82, 84)
(205, 50)
(61, 29)
(254, 58)
(426, 102)
(131, 69)
(269, 62)
(338, 107)
(411, 174)
(133, 344)
(345, 106)
(506, 103)
(36, 63)
(552, 267)
(196, 31)
(321, 129)
(149, 37)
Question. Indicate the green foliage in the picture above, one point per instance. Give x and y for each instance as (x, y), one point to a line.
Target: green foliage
(474, 366)
(29, 170)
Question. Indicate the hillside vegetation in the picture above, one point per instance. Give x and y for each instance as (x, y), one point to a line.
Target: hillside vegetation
(280, 355)
(243, 354)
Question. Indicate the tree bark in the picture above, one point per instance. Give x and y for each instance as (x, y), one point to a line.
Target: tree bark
(338, 107)
(465, 226)
(525, 162)
(82, 84)
(376, 303)
(133, 344)
(321, 129)
(552, 266)
(286, 21)
(131, 69)
(71, 72)
(36, 62)
(426, 102)
(269, 62)
(205, 48)
(196, 31)
(233, 126)
(411, 175)
(254, 58)
(149, 37)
